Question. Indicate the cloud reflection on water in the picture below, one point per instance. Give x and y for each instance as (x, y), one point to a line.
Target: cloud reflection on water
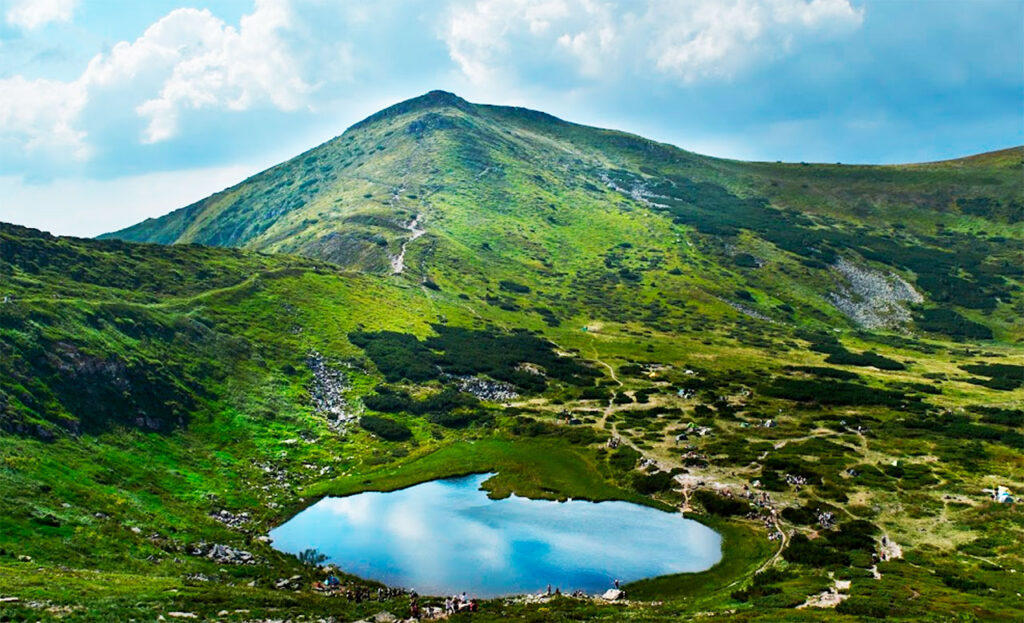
(447, 536)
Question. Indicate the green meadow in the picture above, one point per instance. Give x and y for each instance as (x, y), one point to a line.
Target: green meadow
(667, 328)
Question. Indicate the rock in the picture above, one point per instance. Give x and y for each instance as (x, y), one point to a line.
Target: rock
(293, 583)
(871, 298)
(384, 617)
(24, 558)
(183, 615)
(328, 392)
(230, 519)
(612, 594)
(486, 389)
(222, 554)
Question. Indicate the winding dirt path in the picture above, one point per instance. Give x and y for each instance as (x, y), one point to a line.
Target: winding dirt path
(610, 407)
(398, 262)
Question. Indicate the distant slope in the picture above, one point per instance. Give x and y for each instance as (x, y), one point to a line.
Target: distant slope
(162, 407)
(583, 213)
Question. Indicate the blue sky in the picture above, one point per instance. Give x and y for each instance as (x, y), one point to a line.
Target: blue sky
(112, 111)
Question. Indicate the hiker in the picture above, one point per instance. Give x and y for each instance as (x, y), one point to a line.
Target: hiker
(472, 605)
(616, 583)
(549, 590)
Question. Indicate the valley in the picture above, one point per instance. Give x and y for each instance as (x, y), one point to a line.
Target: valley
(823, 363)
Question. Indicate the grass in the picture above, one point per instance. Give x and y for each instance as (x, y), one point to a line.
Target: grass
(523, 234)
(744, 551)
(538, 469)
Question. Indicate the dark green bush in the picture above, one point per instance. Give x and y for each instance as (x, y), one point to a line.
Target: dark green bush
(622, 398)
(623, 458)
(652, 483)
(853, 535)
(803, 516)
(465, 352)
(397, 355)
(719, 505)
(460, 419)
(948, 322)
(826, 372)
(512, 286)
(835, 393)
(865, 359)
(385, 428)
(745, 260)
(816, 553)
(761, 585)
(997, 415)
(1003, 376)
(579, 435)
(595, 393)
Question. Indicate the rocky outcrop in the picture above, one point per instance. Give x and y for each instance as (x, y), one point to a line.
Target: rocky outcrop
(328, 392)
(230, 519)
(871, 298)
(486, 389)
(222, 554)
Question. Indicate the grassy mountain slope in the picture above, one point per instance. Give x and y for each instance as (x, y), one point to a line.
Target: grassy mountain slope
(648, 292)
(507, 193)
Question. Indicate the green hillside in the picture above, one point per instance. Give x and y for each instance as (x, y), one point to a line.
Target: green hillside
(846, 339)
(509, 193)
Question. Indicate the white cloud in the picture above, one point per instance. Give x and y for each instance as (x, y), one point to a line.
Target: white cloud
(187, 60)
(217, 66)
(477, 35)
(31, 14)
(39, 115)
(693, 40)
(681, 40)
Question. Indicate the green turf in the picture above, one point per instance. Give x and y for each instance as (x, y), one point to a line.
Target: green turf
(144, 387)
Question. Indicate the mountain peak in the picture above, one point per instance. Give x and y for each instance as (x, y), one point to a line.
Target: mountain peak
(438, 97)
(430, 100)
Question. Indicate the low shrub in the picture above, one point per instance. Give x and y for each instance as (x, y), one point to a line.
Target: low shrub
(385, 428)
(947, 321)
(719, 505)
(816, 553)
(652, 483)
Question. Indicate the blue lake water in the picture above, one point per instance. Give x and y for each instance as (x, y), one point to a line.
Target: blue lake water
(446, 537)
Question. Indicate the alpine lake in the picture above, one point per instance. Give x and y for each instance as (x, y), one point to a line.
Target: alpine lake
(448, 537)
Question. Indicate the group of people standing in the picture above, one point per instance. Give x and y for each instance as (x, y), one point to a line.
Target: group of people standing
(452, 605)
(459, 603)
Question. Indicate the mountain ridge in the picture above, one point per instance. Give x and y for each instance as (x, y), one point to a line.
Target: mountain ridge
(454, 168)
(822, 363)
